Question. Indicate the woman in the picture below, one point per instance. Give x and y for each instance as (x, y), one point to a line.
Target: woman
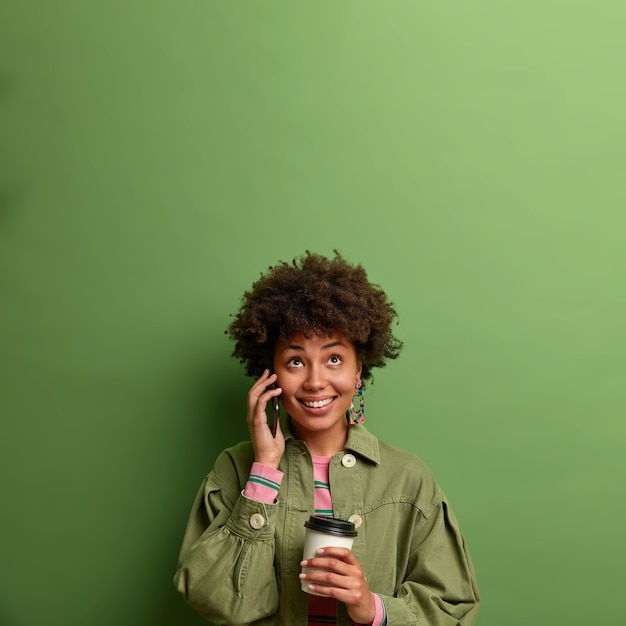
(311, 332)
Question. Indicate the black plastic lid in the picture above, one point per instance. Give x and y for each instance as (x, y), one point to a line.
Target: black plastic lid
(331, 526)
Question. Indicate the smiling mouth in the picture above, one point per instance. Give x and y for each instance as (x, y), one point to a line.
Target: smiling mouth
(317, 404)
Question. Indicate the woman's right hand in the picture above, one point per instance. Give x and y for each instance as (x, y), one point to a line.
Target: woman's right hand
(268, 450)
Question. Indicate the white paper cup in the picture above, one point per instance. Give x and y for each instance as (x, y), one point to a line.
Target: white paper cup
(322, 532)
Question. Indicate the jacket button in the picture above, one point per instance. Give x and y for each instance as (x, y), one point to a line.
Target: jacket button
(348, 460)
(257, 521)
(357, 520)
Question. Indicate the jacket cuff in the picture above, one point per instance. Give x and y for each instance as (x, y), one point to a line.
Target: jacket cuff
(398, 612)
(253, 520)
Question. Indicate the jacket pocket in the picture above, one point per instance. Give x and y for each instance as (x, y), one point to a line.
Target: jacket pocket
(241, 566)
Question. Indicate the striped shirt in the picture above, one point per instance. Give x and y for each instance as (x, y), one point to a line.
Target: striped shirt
(263, 485)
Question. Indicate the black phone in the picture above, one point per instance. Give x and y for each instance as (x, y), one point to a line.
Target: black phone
(276, 412)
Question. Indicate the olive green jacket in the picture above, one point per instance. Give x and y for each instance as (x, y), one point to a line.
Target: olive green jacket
(240, 558)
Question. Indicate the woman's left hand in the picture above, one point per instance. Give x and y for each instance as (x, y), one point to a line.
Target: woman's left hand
(342, 579)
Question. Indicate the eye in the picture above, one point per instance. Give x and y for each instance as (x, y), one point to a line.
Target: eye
(295, 362)
(335, 360)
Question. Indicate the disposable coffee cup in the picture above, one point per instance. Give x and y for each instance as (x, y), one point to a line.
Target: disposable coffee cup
(323, 532)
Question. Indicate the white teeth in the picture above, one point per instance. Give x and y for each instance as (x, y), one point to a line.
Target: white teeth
(318, 404)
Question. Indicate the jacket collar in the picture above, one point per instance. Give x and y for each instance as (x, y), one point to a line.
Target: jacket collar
(360, 440)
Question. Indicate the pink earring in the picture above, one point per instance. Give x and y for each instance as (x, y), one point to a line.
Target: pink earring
(357, 415)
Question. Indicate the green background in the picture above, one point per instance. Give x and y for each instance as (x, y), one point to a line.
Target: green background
(157, 156)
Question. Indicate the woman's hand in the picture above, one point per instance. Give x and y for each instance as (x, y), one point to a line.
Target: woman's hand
(268, 450)
(342, 579)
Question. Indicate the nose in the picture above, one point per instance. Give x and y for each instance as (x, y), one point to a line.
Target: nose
(315, 379)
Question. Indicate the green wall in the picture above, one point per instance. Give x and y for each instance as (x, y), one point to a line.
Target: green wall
(156, 156)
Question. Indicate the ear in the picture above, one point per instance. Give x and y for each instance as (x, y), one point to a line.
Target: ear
(359, 370)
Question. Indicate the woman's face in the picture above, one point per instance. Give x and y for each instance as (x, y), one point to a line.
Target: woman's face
(317, 377)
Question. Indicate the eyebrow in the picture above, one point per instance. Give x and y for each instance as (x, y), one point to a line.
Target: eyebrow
(328, 346)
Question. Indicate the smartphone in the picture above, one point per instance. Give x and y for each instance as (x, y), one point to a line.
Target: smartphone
(276, 411)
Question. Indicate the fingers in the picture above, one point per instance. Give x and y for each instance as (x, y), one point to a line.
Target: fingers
(261, 385)
(338, 574)
(340, 569)
(339, 560)
(268, 448)
(344, 554)
(259, 395)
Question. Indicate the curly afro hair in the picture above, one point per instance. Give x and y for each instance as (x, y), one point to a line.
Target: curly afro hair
(314, 294)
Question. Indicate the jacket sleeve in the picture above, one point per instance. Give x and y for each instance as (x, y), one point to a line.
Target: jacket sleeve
(440, 587)
(226, 563)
